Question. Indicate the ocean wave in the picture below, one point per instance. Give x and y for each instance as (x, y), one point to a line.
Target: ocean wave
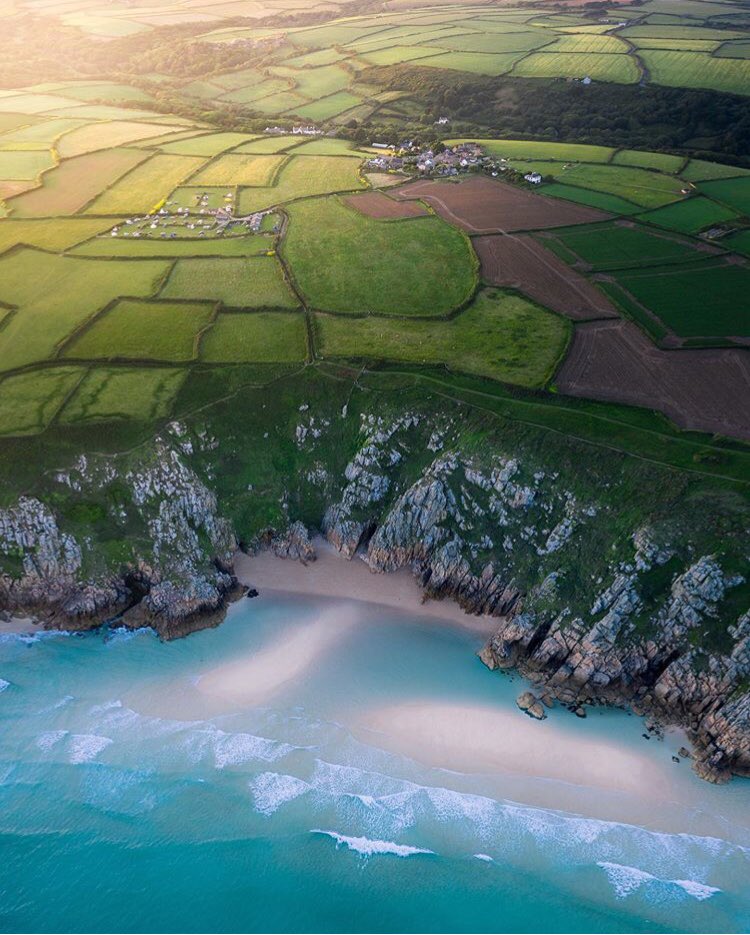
(485, 857)
(125, 634)
(626, 880)
(4, 684)
(78, 748)
(387, 807)
(368, 847)
(29, 638)
(272, 790)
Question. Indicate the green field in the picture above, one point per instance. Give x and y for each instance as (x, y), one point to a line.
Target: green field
(699, 171)
(55, 295)
(697, 70)
(479, 63)
(599, 66)
(587, 43)
(521, 41)
(639, 186)
(501, 336)
(25, 163)
(147, 184)
(260, 337)
(106, 246)
(734, 193)
(303, 176)
(239, 169)
(326, 107)
(251, 93)
(613, 246)
(344, 261)
(695, 301)
(594, 199)
(314, 83)
(739, 242)
(690, 216)
(28, 401)
(663, 162)
(270, 144)
(207, 145)
(143, 330)
(58, 234)
(256, 282)
(110, 394)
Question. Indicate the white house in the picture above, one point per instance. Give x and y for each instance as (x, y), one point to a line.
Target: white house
(533, 177)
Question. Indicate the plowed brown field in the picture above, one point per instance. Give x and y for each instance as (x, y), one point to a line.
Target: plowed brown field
(481, 205)
(707, 390)
(519, 262)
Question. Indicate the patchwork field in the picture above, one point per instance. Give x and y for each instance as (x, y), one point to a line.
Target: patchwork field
(131, 330)
(500, 336)
(712, 299)
(106, 394)
(134, 260)
(255, 282)
(523, 263)
(75, 182)
(265, 337)
(614, 246)
(344, 261)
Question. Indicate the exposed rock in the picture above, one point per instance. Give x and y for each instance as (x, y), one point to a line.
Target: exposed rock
(530, 704)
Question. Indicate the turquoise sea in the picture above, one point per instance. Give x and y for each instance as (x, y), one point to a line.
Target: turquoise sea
(138, 795)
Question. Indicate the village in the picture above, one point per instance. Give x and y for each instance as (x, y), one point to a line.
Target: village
(461, 158)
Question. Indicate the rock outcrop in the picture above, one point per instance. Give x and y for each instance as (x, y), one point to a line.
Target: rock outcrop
(594, 603)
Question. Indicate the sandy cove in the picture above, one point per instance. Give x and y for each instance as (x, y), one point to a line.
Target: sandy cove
(333, 576)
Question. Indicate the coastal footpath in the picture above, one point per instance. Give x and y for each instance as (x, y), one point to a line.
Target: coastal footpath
(613, 581)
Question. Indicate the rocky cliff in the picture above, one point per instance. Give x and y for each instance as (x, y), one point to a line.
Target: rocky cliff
(598, 598)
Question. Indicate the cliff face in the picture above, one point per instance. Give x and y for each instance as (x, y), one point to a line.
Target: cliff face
(175, 550)
(597, 599)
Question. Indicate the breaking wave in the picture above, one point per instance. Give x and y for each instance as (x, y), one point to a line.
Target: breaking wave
(627, 880)
(368, 847)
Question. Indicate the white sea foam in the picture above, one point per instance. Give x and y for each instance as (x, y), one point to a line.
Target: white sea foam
(50, 738)
(29, 638)
(272, 790)
(485, 857)
(83, 748)
(236, 749)
(79, 748)
(125, 634)
(387, 807)
(4, 684)
(626, 880)
(368, 847)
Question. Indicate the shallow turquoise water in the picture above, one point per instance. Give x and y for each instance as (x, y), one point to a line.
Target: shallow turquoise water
(129, 801)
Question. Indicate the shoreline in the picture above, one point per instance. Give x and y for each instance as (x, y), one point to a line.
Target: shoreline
(333, 576)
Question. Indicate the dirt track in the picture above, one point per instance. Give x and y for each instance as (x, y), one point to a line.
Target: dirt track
(707, 390)
(520, 262)
(378, 205)
(481, 205)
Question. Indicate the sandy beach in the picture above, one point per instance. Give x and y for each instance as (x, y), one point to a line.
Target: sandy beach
(20, 625)
(331, 575)
(258, 678)
(476, 739)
